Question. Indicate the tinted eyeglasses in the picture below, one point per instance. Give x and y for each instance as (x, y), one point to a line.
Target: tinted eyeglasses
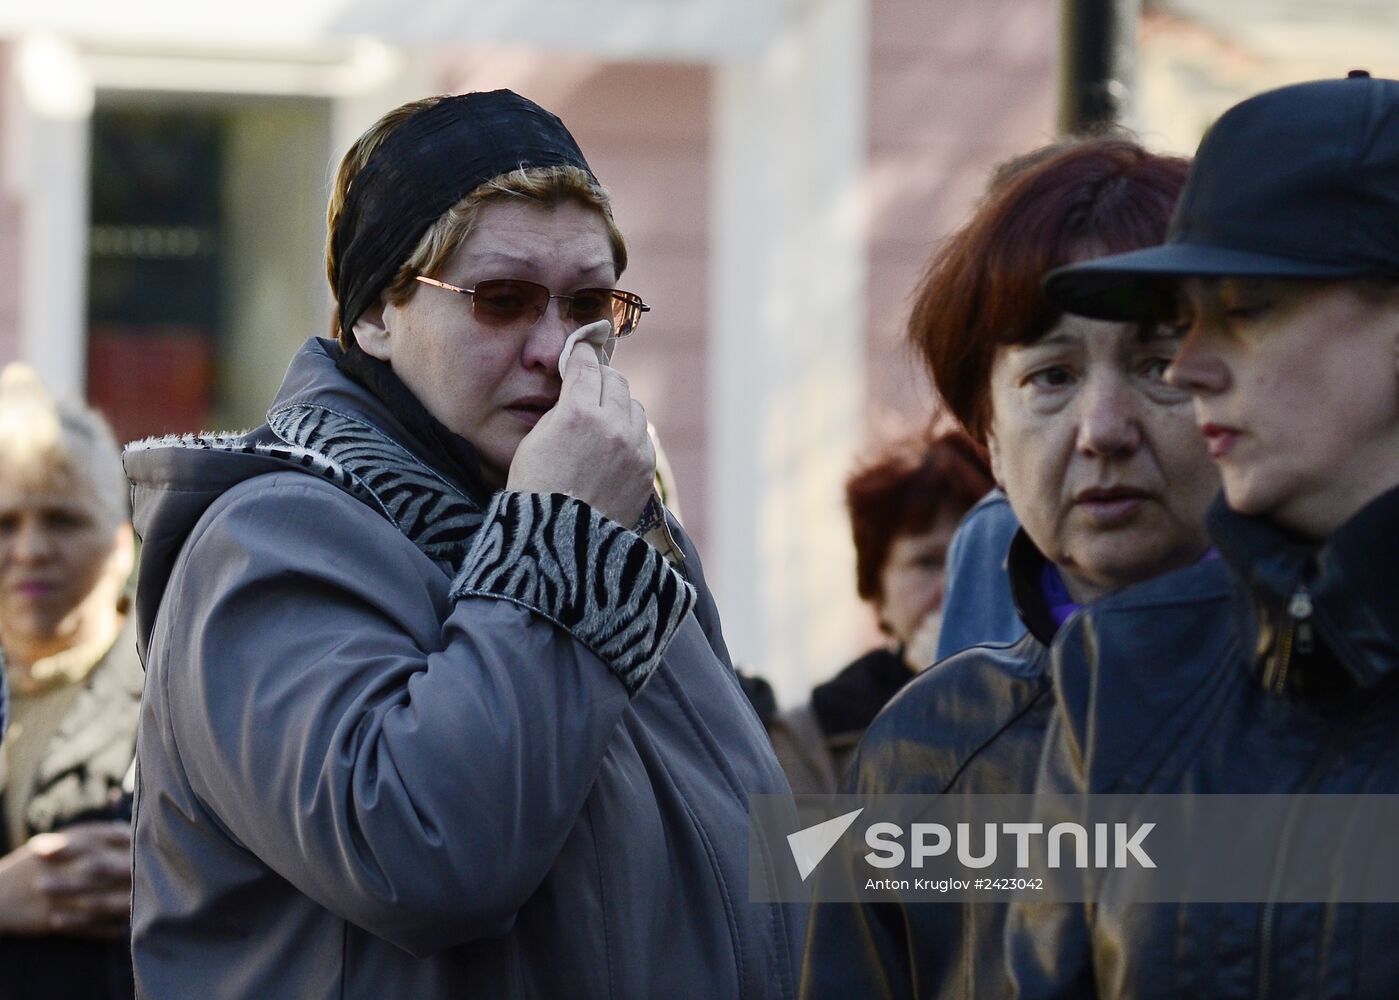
(512, 303)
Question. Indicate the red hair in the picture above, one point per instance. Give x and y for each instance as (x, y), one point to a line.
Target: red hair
(902, 488)
(981, 289)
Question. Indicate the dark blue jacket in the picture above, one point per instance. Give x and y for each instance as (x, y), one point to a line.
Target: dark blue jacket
(1281, 678)
(970, 724)
(978, 607)
(973, 724)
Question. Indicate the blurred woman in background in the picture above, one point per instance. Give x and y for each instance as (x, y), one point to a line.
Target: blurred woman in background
(905, 502)
(66, 551)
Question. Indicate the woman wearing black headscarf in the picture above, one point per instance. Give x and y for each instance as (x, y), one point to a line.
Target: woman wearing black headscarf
(438, 701)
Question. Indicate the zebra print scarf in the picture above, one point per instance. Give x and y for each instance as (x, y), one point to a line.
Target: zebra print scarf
(621, 593)
(622, 598)
(430, 511)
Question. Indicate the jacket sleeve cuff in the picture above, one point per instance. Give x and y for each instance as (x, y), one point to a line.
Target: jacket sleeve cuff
(603, 584)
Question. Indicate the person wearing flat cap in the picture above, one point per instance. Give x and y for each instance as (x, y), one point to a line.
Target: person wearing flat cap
(1280, 271)
(437, 701)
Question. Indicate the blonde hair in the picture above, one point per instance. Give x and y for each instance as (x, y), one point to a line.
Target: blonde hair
(548, 186)
(58, 445)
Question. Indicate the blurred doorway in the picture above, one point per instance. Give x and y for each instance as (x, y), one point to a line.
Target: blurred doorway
(155, 269)
(206, 222)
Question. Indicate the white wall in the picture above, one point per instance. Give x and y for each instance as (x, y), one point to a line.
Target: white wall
(274, 201)
(47, 152)
(787, 342)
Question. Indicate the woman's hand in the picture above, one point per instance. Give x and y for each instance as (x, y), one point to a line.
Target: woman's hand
(592, 445)
(76, 881)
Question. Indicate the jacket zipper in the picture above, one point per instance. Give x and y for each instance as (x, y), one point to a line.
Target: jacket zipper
(1297, 636)
(1265, 956)
(1299, 609)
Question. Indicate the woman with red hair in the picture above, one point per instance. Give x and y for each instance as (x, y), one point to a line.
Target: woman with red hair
(905, 502)
(1280, 271)
(1099, 460)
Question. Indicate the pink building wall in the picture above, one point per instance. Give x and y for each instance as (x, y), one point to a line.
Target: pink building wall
(11, 220)
(955, 88)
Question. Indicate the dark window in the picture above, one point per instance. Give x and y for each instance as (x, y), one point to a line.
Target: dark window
(155, 269)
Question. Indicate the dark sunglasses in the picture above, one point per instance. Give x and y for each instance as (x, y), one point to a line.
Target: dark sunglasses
(510, 302)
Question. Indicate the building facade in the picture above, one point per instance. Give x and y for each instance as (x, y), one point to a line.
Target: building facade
(782, 169)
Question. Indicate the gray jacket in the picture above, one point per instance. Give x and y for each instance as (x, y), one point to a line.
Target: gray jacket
(396, 745)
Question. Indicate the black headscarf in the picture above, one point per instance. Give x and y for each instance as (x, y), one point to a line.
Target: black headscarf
(424, 167)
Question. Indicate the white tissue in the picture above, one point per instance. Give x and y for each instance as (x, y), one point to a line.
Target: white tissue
(595, 334)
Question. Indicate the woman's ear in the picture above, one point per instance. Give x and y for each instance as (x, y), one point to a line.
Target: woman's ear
(124, 549)
(371, 331)
(994, 453)
(116, 574)
(1391, 302)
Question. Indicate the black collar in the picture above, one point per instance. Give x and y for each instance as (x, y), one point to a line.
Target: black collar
(1025, 565)
(848, 702)
(1351, 579)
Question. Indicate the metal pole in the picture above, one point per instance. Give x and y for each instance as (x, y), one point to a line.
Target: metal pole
(1097, 72)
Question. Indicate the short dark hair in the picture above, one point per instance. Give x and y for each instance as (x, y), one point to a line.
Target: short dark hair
(902, 488)
(981, 288)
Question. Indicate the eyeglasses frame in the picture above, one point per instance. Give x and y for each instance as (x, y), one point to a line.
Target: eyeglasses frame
(628, 298)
